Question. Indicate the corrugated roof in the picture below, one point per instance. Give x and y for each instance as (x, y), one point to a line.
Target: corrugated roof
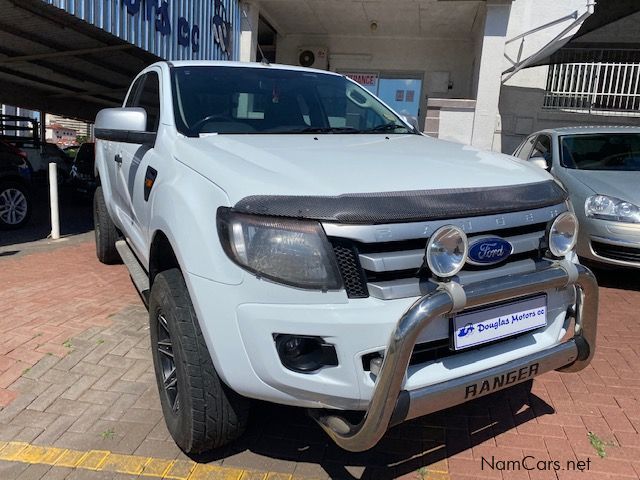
(52, 61)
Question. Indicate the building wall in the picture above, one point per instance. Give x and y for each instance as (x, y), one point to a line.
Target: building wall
(80, 127)
(521, 111)
(420, 56)
(173, 30)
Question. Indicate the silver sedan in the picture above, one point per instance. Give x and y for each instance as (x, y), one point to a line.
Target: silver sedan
(600, 168)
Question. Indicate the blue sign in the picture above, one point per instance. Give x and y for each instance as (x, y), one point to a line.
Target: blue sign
(157, 11)
(488, 251)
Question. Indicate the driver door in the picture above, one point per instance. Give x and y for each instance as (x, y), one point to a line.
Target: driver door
(132, 161)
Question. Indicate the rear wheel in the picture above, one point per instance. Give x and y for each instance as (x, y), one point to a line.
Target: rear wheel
(201, 412)
(105, 231)
(15, 205)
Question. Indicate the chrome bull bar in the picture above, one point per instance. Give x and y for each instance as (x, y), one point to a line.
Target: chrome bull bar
(391, 405)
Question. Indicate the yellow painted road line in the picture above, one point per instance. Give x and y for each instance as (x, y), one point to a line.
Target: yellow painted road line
(141, 466)
(105, 461)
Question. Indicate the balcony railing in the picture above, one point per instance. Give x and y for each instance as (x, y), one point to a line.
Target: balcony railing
(611, 88)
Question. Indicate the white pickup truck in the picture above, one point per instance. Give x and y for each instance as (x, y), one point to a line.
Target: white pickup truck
(296, 241)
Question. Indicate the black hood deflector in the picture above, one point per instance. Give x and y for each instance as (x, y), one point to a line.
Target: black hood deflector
(411, 206)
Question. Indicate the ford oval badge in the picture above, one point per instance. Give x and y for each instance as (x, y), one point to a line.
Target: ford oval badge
(488, 251)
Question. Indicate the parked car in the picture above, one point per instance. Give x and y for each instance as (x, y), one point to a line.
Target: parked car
(83, 180)
(297, 242)
(40, 155)
(15, 194)
(23, 133)
(600, 168)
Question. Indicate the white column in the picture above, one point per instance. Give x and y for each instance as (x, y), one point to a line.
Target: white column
(490, 74)
(250, 14)
(53, 197)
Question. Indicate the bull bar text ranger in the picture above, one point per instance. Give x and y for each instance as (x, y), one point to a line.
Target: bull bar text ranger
(298, 242)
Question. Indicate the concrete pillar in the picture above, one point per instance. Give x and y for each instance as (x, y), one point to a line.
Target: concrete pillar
(490, 74)
(250, 14)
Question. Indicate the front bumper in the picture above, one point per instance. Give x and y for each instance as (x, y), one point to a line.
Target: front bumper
(610, 243)
(390, 404)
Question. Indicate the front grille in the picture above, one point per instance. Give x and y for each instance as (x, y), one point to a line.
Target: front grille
(396, 269)
(616, 252)
(352, 274)
(430, 351)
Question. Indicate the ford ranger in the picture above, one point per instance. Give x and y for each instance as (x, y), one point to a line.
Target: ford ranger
(296, 241)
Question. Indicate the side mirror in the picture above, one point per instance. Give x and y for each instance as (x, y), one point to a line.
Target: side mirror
(126, 125)
(411, 120)
(539, 162)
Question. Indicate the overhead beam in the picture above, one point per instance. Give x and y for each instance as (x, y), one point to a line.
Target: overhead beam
(16, 94)
(65, 20)
(64, 53)
(67, 90)
(47, 42)
(46, 88)
(73, 74)
(114, 91)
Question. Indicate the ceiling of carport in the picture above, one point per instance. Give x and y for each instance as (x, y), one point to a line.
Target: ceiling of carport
(397, 18)
(52, 61)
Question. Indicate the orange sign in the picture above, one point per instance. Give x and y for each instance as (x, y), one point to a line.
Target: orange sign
(364, 79)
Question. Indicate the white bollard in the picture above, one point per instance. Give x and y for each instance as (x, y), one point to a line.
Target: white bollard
(53, 196)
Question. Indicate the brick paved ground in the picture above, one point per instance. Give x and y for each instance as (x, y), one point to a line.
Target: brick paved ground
(75, 372)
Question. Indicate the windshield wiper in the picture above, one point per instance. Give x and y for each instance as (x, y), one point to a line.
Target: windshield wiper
(325, 130)
(385, 127)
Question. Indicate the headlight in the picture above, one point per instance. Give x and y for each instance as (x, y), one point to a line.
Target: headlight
(611, 208)
(287, 251)
(562, 234)
(447, 251)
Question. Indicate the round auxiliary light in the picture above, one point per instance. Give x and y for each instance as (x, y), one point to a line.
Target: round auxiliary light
(563, 234)
(447, 251)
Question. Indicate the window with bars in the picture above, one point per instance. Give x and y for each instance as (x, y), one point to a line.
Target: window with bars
(609, 85)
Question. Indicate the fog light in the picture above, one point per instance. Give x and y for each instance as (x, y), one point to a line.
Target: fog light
(447, 251)
(304, 354)
(562, 234)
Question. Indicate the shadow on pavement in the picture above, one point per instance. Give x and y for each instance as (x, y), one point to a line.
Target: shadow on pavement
(75, 217)
(621, 278)
(288, 434)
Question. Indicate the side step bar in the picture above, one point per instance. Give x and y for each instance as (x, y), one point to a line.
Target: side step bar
(138, 274)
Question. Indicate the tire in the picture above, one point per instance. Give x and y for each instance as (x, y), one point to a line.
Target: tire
(200, 411)
(105, 231)
(15, 204)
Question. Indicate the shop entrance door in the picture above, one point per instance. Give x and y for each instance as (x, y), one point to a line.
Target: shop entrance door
(401, 94)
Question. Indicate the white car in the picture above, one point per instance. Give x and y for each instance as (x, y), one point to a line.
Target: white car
(600, 168)
(298, 242)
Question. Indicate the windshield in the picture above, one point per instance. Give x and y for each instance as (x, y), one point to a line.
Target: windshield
(242, 100)
(602, 151)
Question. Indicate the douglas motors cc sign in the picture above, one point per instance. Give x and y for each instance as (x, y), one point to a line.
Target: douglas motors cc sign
(157, 11)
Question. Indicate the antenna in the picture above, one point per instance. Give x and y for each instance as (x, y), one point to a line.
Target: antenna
(263, 59)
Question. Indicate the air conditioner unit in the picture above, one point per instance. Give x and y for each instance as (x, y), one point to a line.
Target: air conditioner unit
(313, 57)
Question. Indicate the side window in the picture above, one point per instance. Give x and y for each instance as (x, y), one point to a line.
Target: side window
(146, 94)
(150, 101)
(525, 150)
(542, 148)
(133, 93)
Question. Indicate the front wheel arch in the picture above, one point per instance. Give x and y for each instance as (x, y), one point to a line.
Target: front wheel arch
(161, 256)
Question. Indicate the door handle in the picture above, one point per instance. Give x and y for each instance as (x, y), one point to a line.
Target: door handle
(118, 158)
